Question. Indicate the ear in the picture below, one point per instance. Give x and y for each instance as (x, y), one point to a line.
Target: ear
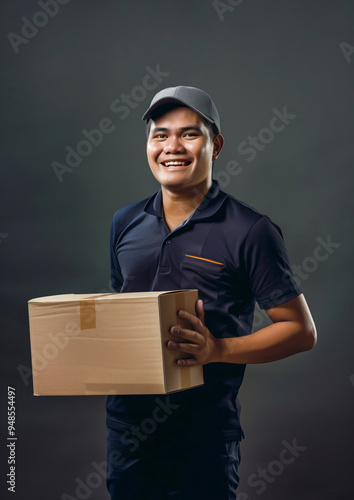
(218, 143)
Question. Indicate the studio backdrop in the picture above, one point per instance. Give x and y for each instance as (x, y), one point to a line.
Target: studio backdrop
(77, 77)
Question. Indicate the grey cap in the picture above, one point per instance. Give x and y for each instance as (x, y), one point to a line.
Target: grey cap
(194, 98)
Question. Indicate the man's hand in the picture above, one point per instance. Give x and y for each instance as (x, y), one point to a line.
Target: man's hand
(197, 341)
(292, 331)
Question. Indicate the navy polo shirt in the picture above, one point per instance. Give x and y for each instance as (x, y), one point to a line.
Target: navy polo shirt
(234, 256)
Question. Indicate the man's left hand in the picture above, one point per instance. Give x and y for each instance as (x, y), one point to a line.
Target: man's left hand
(197, 341)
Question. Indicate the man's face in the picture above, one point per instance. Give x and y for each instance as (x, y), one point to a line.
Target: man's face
(180, 150)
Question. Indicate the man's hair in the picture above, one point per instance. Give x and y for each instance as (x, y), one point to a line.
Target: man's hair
(164, 108)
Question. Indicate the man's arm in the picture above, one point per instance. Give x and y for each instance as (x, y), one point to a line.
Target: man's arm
(293, 330)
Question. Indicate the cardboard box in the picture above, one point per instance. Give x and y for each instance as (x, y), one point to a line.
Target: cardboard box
(113, 343)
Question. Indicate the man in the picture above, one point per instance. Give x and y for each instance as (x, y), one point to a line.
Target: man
(192, 235)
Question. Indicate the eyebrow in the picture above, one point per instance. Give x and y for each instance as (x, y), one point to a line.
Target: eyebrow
(181, 129)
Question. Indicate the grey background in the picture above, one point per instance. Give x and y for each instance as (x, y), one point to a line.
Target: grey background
(54, 235)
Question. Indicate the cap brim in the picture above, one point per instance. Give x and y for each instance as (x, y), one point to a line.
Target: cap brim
(166, 100)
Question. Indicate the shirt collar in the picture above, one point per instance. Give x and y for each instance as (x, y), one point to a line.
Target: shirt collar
(209, 206)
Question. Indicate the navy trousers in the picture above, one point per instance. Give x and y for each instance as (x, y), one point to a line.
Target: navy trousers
(163, 466)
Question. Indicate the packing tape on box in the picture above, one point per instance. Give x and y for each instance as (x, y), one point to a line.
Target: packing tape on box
(87, 314)
(185, 371)
(88, 311)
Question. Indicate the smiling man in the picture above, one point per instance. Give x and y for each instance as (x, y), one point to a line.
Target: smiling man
(190, 234)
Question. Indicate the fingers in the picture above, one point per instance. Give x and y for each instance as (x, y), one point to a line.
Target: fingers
(199, 309)
(182, 347)
(187, 362)
(192, 339)
(190, 335)
(194, 321)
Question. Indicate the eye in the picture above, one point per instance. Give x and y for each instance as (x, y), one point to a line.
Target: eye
(190, 134)
(160, 136)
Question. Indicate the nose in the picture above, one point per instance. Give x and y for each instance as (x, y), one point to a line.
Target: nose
(173, 145)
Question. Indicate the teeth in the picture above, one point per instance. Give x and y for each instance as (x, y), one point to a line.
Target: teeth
(176, 163)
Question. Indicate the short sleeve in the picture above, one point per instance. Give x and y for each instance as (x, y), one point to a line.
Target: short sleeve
(271, 279)
(116, 275)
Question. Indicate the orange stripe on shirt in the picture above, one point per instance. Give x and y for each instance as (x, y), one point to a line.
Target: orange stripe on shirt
(208, 260)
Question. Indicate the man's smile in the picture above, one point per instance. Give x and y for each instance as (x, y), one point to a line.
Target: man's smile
(176, 163)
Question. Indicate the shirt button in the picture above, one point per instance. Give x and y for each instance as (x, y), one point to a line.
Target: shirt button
(168, 242)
